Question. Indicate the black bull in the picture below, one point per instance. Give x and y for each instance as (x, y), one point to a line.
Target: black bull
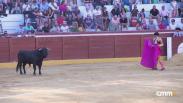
(31, 57)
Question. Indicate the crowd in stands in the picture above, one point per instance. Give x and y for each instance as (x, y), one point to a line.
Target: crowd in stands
(58, 16)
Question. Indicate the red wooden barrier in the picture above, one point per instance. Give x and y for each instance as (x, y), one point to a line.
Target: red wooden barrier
(81, 47)
(17, 44)
(4, 50)
(75, 47)
(128, 46)
(101, 47)
(175, 43)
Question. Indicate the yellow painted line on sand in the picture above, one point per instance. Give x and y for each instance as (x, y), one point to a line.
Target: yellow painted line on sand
(77, 61)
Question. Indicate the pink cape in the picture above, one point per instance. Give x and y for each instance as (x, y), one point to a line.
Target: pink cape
(150, 54)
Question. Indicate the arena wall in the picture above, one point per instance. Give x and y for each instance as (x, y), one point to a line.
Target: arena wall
(4, 50)
(85, 46)
(16, 44)
(175, 43)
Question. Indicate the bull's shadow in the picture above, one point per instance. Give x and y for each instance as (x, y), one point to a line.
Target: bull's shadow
(34, 57)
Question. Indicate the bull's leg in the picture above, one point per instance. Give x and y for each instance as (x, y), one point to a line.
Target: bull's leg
(24, 68)
(34, 66)
(20, 68)
(40, 69)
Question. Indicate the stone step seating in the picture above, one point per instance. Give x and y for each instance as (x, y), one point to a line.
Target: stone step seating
(11, 22)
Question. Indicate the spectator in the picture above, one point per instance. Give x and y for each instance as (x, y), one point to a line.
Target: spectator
(98, 22)
(50, 16)
(117, 3)
(180, 25)
(115, 11)
(39, 28)
(89, 23)
(138, 26)
(99, 28)
(178, 33)
(43, 6)
(134, 12)
(131, 2)
(55, 27)
(80, 23)
(63, 8)
(151, 25)
(35, 17)
(29, 29)
(165, 21)
(60, 20)
(88, 5)
(115, 22)
(74, 17)
(164, 13)
(142, 23)
(104, 2)
(97, 3)
(10, 5)
(64, 27)
(69, 20)
(142, 13)
(173, 25)
(106, 19)
(69, 13)
(21, 29)
(26, 8)
(2, 9)
(46, 28)
(34, 5)
(88, 12)
(26, 20)
(123, 19)
(161, 25)
(81, 28)
(17, 8)
(174, 8)
(53, 5)
(74, 27)
(180, 9)
(154, 13)
(36, 12)
(98, 18)
(97, 12)
(76, 11)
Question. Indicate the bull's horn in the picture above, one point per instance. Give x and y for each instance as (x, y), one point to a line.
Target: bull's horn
(40, 49)
(48, 49)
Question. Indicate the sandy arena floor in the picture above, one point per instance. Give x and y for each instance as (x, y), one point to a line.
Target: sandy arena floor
(125, 82)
